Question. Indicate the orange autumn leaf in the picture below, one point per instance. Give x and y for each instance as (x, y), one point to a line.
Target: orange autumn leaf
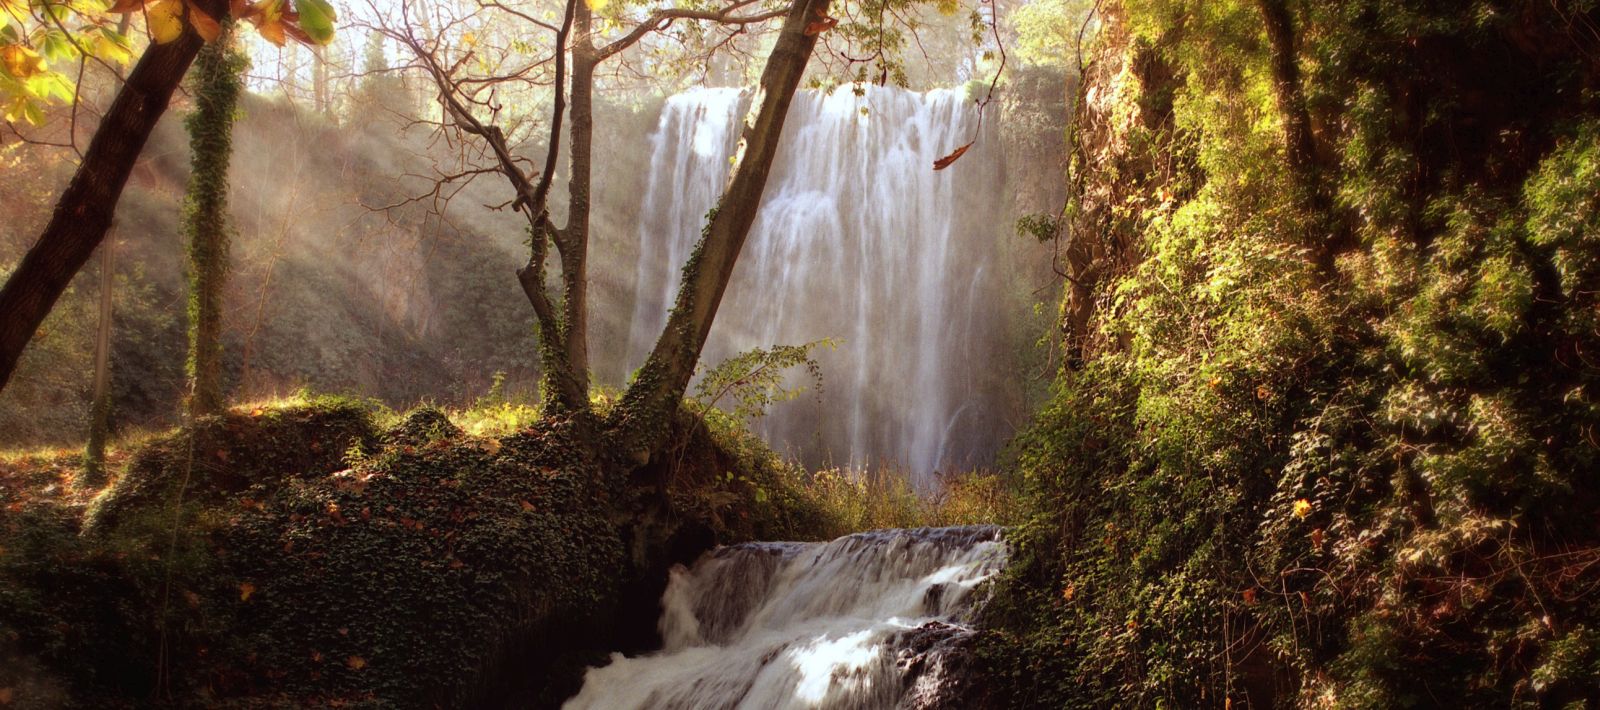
(7, 695)
(1250, 596)
(356, 663)
(204, 25)
(955, 155)
(245, 590)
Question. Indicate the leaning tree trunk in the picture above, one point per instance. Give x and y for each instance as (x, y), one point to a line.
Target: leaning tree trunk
(640, 423)
(83, 214)
(216, 93)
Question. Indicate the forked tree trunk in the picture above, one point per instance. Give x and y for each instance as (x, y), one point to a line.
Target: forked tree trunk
(640, 422)
(84, 212)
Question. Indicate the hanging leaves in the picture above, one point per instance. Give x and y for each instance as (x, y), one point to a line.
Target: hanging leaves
(309, 21)
(36, 37)
(316, 19)
(955, 155)
(165, 20)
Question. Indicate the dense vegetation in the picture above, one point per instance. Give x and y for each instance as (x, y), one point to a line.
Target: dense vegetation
(1328, 438)
(1318, 423)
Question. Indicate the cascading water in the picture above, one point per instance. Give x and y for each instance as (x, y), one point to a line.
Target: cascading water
(866, 621)
(857, 239)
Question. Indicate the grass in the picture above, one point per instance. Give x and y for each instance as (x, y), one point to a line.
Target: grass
(853, 500)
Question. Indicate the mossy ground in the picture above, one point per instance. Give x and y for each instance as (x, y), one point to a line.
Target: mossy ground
(303, 554)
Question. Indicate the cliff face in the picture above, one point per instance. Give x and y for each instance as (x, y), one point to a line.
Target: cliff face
(1326, 434)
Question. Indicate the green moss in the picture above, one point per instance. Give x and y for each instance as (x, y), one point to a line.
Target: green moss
(1279, 485)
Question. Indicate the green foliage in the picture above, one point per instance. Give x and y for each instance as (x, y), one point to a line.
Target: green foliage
(1054, 32)
(1282, 485)
(754, 380)
(41, 44)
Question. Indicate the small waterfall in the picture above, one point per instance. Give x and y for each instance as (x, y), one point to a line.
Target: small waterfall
(865, 621)
(860, 240)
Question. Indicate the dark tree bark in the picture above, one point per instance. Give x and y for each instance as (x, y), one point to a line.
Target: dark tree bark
(1299, 145)
(641, 419)
(1323, 235)
(84, 212)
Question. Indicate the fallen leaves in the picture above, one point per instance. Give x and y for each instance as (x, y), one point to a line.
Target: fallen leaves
(245, 590)
(356, 663)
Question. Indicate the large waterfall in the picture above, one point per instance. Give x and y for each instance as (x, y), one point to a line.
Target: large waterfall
(860, 240)
(866, 621)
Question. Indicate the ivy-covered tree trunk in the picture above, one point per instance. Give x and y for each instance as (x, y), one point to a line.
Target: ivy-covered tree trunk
(217, 84)
(84, 212)
(641, 419)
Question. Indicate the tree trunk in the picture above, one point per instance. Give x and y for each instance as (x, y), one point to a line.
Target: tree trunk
(641, 420)
(575, 238)
(84, 212)
(319, 84)
(1300, 148)
(1300, 151)
(94, 458)
(216, 95)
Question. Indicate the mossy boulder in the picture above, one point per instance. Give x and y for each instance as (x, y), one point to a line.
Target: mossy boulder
(222, 455)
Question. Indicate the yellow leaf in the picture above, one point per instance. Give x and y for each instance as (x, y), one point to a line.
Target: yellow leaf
(19, 61)
(1302, 508)
(596, 5)
(245, 590)
(356, 662)
(165, 20)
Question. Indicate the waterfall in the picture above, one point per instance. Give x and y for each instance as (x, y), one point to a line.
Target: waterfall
(866, 621)
(857, 239)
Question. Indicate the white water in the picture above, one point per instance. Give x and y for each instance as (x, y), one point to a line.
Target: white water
(862, 622)
(858, 239)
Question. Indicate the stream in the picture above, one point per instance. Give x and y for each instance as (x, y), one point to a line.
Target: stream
(869, 620)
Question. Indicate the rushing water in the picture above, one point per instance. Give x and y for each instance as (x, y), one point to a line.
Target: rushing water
(860, 240)
(862, 622)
